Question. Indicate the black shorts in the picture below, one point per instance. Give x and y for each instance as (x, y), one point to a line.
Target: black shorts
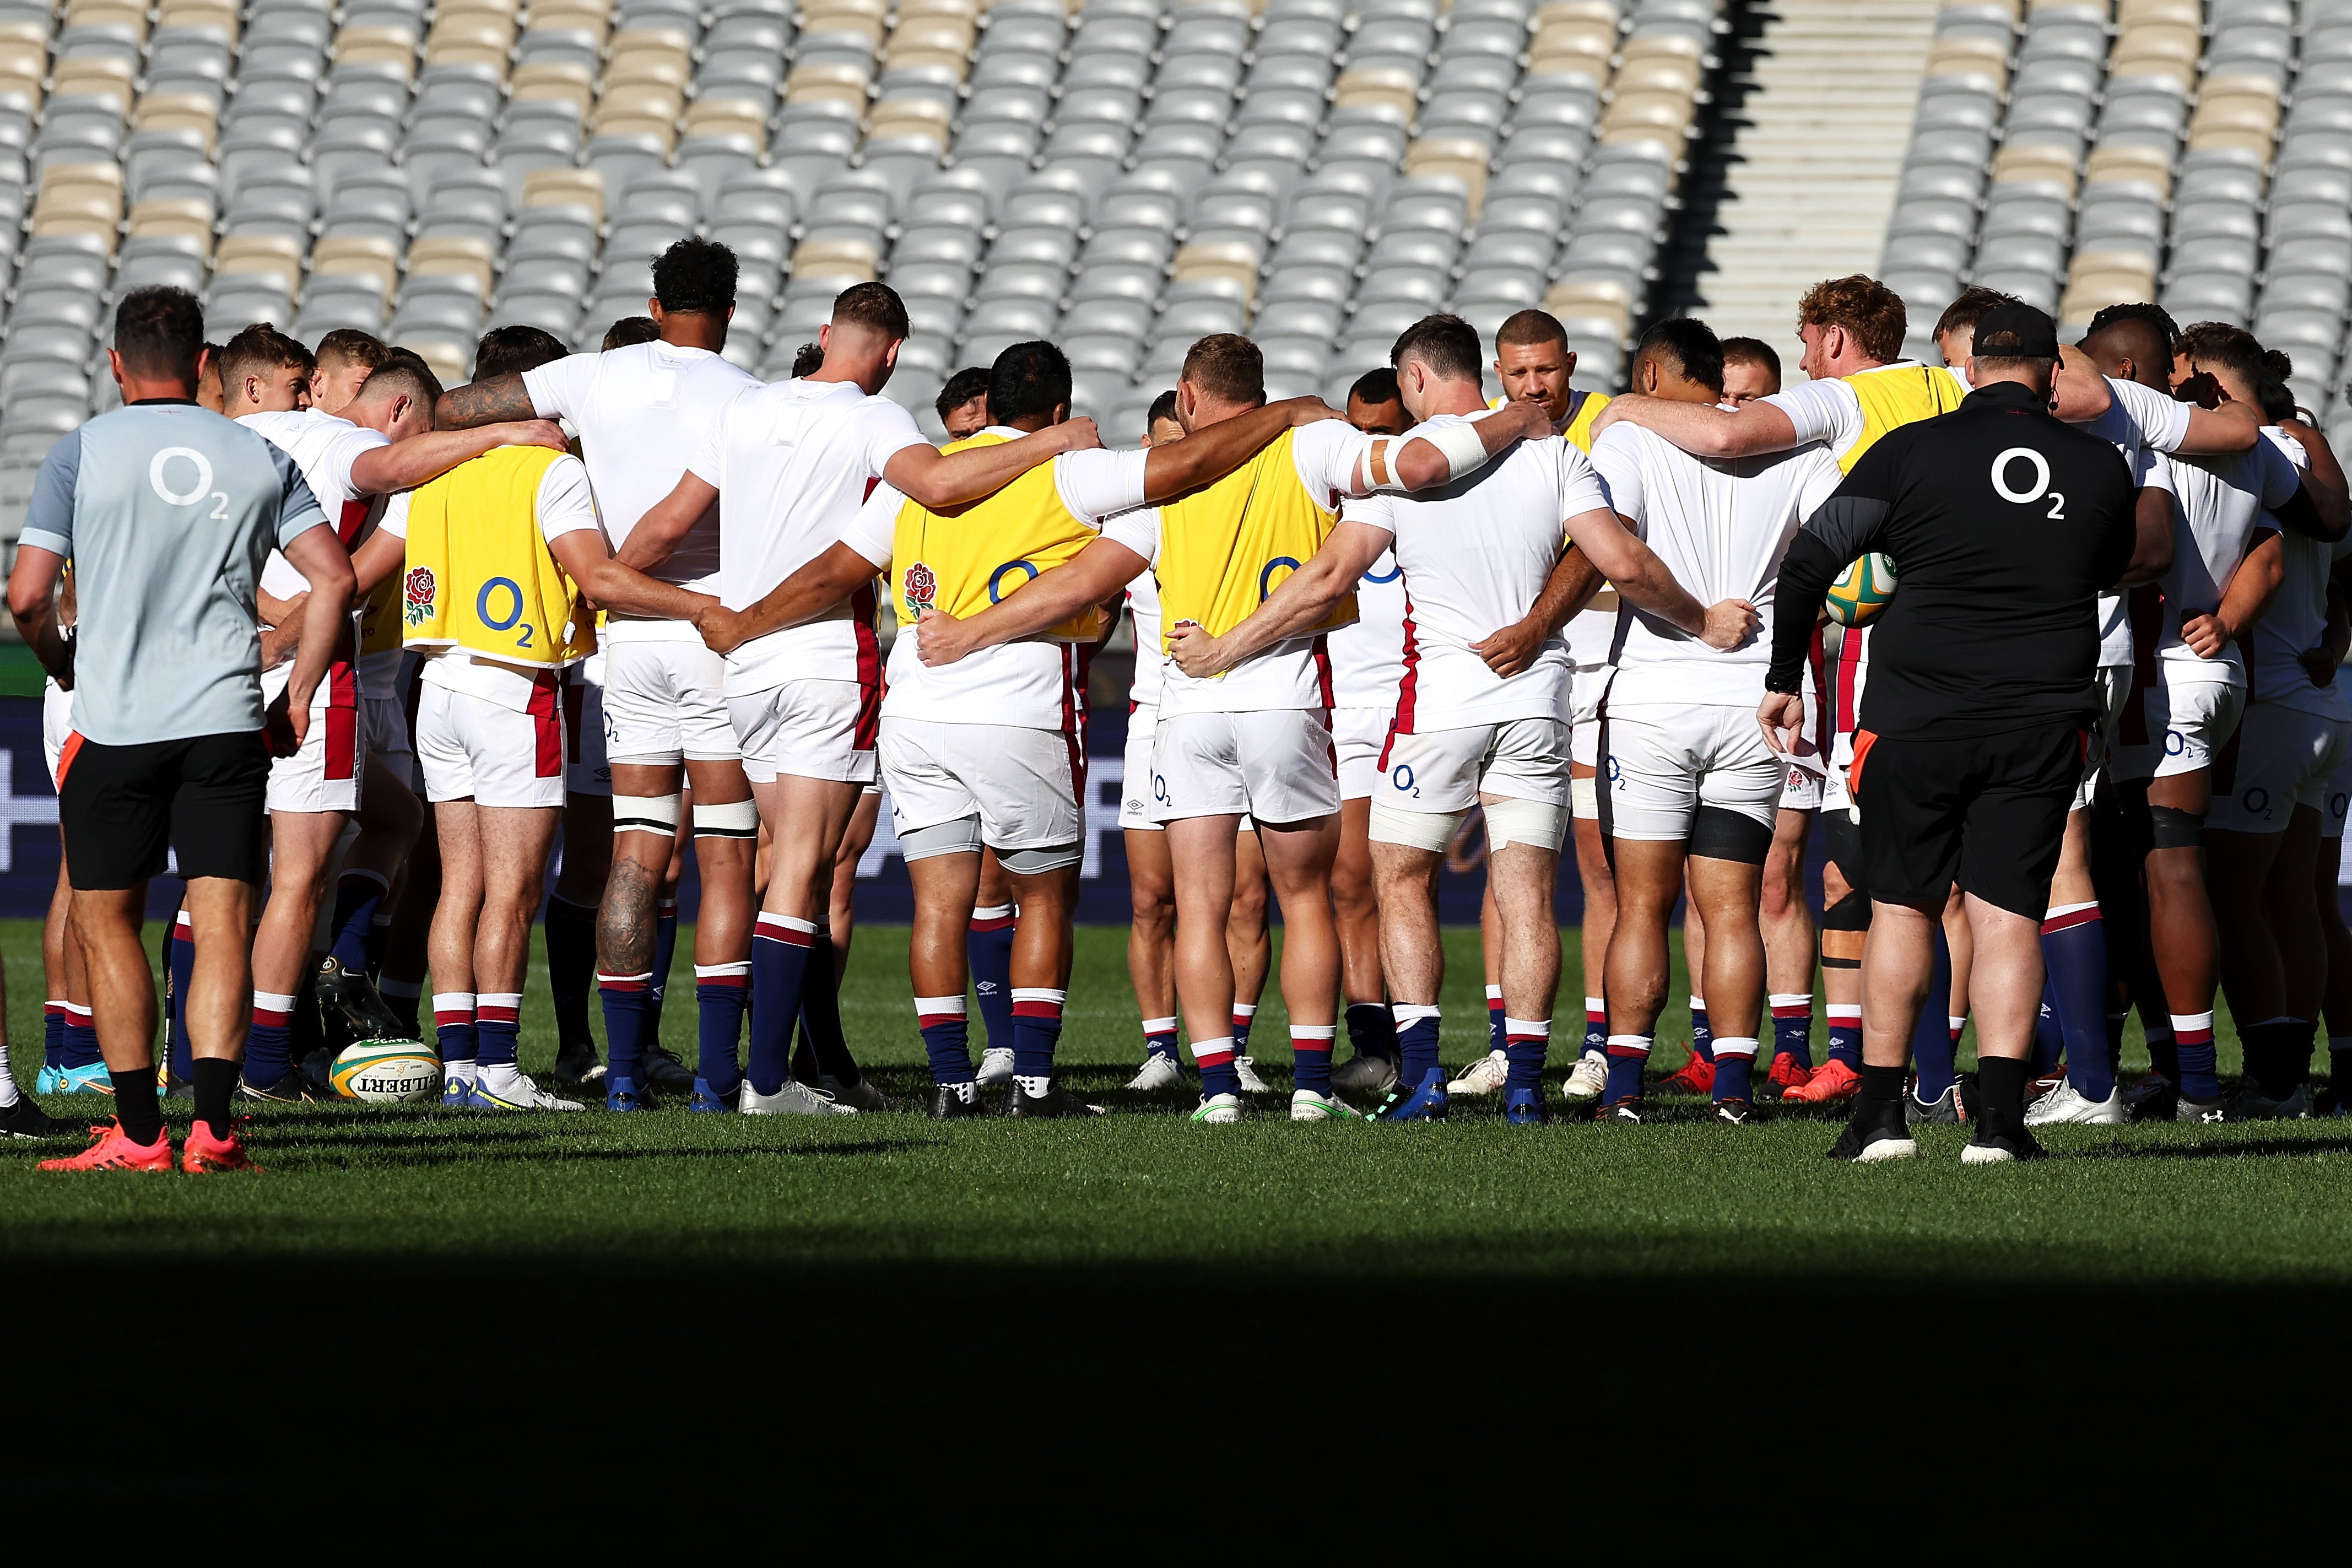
(203, 797)
(1988, 812)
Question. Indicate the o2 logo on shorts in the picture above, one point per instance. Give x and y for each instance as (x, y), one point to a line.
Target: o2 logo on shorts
(1265, 582)
(1616, 773)
(2256, 802)
(2338, 805)
(1159, 787)
(2176, 744)
(419, 591)
(2057, 511)
(1401, 780)
(158, 479)
(996, 578)
(514, 615)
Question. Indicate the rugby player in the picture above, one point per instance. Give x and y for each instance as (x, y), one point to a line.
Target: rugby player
(1693, 788)
(788, 465)
(1476, 554)
(1257, 741)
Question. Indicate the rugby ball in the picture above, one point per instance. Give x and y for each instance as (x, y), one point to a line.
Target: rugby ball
(1861, 590)
(388, 1072)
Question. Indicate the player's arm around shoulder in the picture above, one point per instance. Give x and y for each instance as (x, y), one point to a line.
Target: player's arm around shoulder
(1087, 579)
(1701, 428)
(1304, 598)
(1438, 454)
(937, 480)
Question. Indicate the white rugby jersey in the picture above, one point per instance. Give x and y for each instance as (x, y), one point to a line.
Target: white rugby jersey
(2296, 619)
(792, 462)
(1474, 554)
(324, 447)
(1721, 527)
(2218, 502)
(1368, 659)
(1150, 657)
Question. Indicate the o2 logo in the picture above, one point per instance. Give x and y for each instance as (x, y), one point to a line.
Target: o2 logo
(1265, 582)
(996, 578)
(2175, 744)
(159, 480)
(1391, 576)
(2256, 802)
(1159, 787)
(513, 614)
(1616, 772)
(1401, 780)
(2041, 464)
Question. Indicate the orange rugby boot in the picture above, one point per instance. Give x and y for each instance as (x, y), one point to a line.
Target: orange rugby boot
(1832, 1083)
(110, 1150)
(205, 1152)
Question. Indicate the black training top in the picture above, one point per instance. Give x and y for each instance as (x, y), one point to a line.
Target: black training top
(2003, 525)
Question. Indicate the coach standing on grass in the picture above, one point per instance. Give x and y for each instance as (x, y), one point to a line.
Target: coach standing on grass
(2003, 526)
(168, 511)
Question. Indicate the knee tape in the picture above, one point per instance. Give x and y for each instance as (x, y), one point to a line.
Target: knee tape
(2176, 828)
(1037, 862)
(1430, 830)
(961, 837)
(647, 814)
(727, 819)
(1584, 798)
(1851, 913)
(1720, 834)
(1531, 822)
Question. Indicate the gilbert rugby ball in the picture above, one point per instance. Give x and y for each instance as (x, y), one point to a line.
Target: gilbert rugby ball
(1861, 590)
(389, 1072)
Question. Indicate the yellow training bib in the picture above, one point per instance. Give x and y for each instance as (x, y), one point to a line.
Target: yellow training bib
(1225, 547)
(479, 575)
(1898, 395)
(967, 558)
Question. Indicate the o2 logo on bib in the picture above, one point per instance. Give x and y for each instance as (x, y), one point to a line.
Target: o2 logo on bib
(160, 475)
(514, 611)
(1265, 579)
(419, 591)
(2041, 487)
(996, 578)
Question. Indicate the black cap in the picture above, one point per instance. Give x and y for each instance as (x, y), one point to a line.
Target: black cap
(2015, 331)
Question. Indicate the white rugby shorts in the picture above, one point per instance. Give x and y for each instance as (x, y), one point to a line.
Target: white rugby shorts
(1135, 788)
(810, 729)
(1802, 788)
(323, 774)
(468, 746)
(587, 729)
(1586, 685)
(2182, 722)
(2286, 757)
(664, 704)
(1667, 760)
(2114, 691)
(57, 723)
(2336, 799)
(1358, 734)
(1445, 770)
(1027, 786)
(1276, 765)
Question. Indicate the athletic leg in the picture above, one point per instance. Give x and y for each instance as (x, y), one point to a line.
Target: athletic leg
(1726, 893)
(1412, 958)
(1249, 937)
(1356, 909)
(1151, 952)
(1298, 858)
(1201, 852)
(514, 842)
(302, 849)
(724, 825)
(1787, 921)
(1649, 881)
(805, 819)
(2181, 932)
(644, 814)
(995, 922)
(945, 887)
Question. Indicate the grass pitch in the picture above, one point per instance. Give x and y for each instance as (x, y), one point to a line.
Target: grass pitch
(1113, 1292)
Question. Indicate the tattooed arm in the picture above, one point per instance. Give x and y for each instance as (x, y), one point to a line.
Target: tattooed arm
(500, 399)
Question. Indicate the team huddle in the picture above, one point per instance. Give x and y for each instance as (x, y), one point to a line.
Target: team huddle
(631, 597)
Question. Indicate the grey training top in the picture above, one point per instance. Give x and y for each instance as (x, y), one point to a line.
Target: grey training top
(167, 512)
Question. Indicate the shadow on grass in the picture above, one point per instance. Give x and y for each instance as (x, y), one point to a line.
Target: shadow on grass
(399, 1155)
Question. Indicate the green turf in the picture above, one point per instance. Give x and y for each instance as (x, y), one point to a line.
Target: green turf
(836, 1247)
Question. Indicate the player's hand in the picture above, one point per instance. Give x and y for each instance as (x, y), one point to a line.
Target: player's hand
(721, 629)
(2319, 663)
(941, 638)
(2203, 634)
(1615, 409)
(1078, 434)
(1534, 419)
(1730, 622)
(280, 642)
(2202, 390)
(1311, 410)
(1512, 649)
(1782, 716)
(534, 433)
(281, 736)
(1196, 653)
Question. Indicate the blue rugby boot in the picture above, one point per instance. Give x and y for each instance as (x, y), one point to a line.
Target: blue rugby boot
(1427, 1102)
(626, 1094)
(1525, 1107)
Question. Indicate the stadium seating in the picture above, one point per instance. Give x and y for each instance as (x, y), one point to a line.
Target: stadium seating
(2081, 155)
(1123, 175)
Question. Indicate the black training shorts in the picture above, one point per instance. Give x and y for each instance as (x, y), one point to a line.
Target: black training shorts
(1989, 812)
(202, 797)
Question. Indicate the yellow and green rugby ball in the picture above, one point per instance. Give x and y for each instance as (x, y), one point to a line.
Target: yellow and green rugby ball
(387, 1072)
(1861, 590)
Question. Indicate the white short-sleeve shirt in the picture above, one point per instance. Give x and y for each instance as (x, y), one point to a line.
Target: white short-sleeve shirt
(2218, 503)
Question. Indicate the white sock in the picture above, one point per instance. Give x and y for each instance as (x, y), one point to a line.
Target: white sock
(1035, 1087)
(499, 1076)
(7, 1080)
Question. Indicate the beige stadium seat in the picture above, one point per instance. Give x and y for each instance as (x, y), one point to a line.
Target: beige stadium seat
(555, 81)
(80, 199)
(2052, 168)
(270, 255)
(592, 17)
(379, 45)
(470, 38)
(1605, 11)
(968, 10)
(1227, 263)
(644, 55)
(744, 119)
(864, 17)
(579, 189)
(93, 76)
(635, 108)
(2235, 103)
(1668, 113)
(128, 19)
(895, 117)
(220, 16)
(2131, 13)
(185, 222)
(177, 111)
(22, 68)
(447, 358)
(2125, 165)
(1657, 73)
(1980, 60)
(1590, 307)
(1644, 46)
(2098, 279)
(1573, 40)
(1377, 88)
(462, 256)
(1457, 158)
(928, 39)
(358, 256)
(849, 261)
(820, 82)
